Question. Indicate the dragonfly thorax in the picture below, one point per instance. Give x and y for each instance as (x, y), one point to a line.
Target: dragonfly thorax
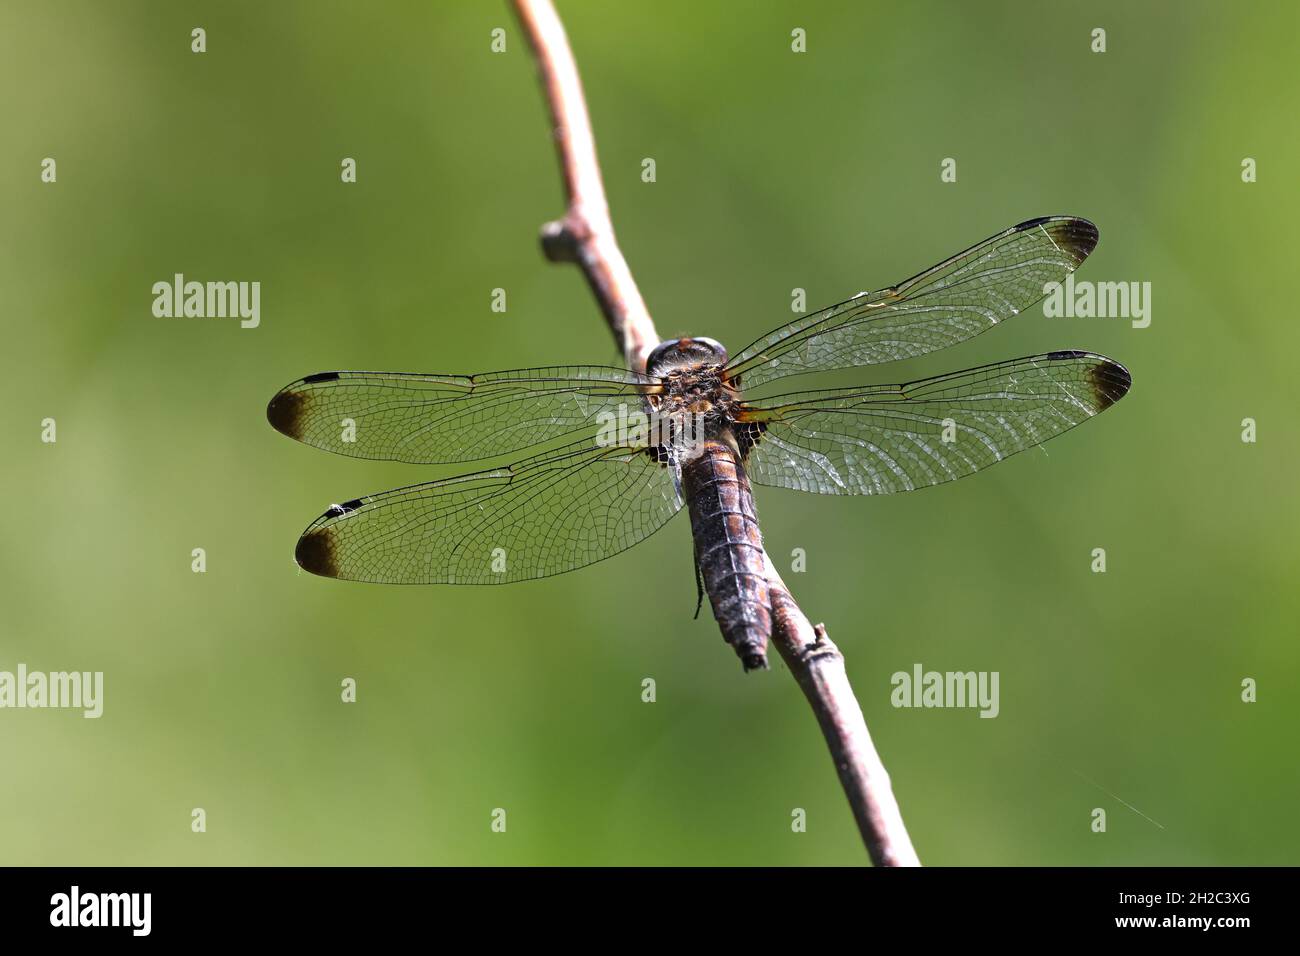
(693, 383)
(695, 403)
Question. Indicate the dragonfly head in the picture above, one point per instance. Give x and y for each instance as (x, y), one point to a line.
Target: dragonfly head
(685, 353)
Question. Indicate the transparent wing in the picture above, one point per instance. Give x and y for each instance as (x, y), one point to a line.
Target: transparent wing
(891, 438)
(436, 419)
(540, 516)
(947, 304)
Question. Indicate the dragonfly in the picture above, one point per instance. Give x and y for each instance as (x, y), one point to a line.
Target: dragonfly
(606, 456)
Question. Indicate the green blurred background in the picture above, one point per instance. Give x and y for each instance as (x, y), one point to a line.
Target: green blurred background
(775, 170)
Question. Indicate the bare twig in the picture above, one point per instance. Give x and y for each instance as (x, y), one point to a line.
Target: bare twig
(586, 236)
(818, 666)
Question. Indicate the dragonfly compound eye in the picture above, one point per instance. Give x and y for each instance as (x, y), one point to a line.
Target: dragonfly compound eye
(676, 353)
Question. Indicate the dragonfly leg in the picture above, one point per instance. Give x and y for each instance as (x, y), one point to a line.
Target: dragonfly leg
(699, 582)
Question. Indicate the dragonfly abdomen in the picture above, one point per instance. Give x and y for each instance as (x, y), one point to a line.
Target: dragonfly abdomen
(729, 549)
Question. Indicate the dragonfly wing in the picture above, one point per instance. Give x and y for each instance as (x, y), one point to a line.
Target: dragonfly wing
(541, 516)
(435, 419)
(949, 303)
(892, 438)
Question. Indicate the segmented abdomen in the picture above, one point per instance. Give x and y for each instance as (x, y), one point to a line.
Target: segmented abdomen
(729, 549)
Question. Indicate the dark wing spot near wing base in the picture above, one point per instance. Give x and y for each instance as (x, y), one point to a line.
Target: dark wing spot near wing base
(285, 413)
(315, 553)
(1110, 382)
(748, 435)
(661, 455)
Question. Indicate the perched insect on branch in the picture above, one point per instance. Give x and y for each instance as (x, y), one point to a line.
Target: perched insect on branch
(580, 497)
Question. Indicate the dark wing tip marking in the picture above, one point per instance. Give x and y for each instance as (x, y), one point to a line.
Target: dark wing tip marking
(1110, 382)
(315, 553)
(285, 413)
(1076, 236)
(287, 410)
(316, 548)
